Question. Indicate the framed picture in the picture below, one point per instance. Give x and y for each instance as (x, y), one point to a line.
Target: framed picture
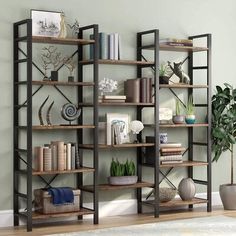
(117, 128)
(45, 23)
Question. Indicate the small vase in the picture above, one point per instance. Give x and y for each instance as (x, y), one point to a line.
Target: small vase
(54, 75)
(179, 119)
(70, 78)
(186, 189)
(190, 119)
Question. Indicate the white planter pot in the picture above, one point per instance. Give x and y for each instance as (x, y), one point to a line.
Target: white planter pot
(228, 196)
(122, 180)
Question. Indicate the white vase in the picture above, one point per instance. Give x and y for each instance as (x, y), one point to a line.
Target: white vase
(186, 189)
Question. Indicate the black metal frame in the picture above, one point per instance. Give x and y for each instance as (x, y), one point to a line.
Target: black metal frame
(17, 158)
(140, 47)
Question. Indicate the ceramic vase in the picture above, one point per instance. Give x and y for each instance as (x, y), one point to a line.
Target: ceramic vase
(186, 189)
(190, 119)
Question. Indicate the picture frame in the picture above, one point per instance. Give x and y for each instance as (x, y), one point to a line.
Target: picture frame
(45, 23)
(111, 119)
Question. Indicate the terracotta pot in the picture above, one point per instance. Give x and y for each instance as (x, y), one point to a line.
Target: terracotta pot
(187, 189)
(228, 196)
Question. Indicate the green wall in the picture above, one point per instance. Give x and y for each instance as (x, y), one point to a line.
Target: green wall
(173, 18)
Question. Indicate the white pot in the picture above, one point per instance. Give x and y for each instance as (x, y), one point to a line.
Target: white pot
(228, 196)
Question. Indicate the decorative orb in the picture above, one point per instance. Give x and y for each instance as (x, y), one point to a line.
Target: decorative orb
(136, 126)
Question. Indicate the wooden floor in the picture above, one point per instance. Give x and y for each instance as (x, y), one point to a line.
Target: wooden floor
(107, 222)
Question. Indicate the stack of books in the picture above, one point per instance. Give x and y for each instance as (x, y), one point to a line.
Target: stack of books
(112, 98)
(138, 90)
(177, 42)
(56, 156)
(171, 153)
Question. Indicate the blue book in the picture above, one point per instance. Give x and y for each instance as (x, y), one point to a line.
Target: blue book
(103, 43)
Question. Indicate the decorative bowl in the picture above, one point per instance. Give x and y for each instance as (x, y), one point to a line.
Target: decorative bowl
(167, 194)
(122, 180)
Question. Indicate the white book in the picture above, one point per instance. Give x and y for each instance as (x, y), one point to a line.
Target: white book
(65, 155)
(111, 47)
(171, 162)
(171, 158)
(114, 97)
(54, 156)
(73, 156)
(169, 145)
(68, 156)
(116, 46)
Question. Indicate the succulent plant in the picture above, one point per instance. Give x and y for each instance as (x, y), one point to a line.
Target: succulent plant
(119, 169)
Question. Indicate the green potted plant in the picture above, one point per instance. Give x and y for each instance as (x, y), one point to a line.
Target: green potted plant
(223, 136)
(190, 113)
(122, 174)
(179, 118)
(164, 74)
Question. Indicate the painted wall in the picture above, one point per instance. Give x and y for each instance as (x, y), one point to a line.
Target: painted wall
(173, 18)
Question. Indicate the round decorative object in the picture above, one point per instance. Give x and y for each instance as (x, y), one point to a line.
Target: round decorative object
(190, 119)
(167, 194)
(187, 189)
(179, 119)
(136, 126)
(70, 112)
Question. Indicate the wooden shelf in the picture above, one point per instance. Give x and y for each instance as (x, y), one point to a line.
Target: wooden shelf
(164, 47)
(126, 145)
(118, 62)
(178, 125)
(180, 86)
(178, 202)
(185, 164)
(60, 127)
(82, 211)
(63, 41)
(53, 172)
(117, 104)
(107, 187)
(60, 83)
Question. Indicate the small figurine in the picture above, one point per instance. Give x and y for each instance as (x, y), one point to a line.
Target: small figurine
(178, 71)
(74, 27)
(63, 31)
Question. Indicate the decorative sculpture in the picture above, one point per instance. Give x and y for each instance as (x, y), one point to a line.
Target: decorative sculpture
(135, 127)
(40, 111)
(70, 112)
(74, 27)
(107, 85)
(48, 117)
(70, 64)
(63, 31)
(178, 71)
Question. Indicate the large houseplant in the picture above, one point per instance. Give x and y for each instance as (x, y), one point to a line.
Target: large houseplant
(223, 135)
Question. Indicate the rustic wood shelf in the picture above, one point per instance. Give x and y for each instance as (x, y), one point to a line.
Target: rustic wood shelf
(60, 127)
(180, 86)
(178, 202)
(185, 164)
(126, 145)
(82, 211)
(107, 187)
(60, 83)
(117, 104)
(63, 41)
(53, 172)
(118, 62)
(178, 125)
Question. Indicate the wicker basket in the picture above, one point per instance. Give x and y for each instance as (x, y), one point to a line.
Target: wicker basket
(43, 203)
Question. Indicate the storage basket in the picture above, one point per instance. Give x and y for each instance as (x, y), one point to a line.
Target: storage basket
(43, 202)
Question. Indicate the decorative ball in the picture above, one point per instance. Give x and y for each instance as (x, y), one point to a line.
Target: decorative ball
(167, 194)
(70, 112)
(187, 189)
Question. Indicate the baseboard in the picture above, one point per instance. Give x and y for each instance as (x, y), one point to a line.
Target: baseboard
(111, 208)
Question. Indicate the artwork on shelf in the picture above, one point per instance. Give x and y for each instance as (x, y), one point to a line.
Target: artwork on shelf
(70, 112)
(48, 114)
(179, 72)
(117, 128)
(46, 23)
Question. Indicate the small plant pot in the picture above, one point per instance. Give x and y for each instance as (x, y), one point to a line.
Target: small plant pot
(179, 119)
(163, 79)
(122, 180)
(54, 75)
(71, 78)
(190, 119)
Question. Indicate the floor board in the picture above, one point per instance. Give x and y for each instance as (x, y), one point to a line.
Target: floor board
(114, 221)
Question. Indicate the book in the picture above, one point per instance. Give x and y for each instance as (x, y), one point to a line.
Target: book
(68, 156)
(73, 156)
(103, 43)
(132, 90)
(111, 46)
(114, 97)
(112, 100)
(174, 40)
(171, 153)
(173, 149)
(170, 145)
(171, 162)
(171, 158)
(60, 155)
(38, 158)
(54, 155)
(116, 46)
(47, 159)
(143, 90)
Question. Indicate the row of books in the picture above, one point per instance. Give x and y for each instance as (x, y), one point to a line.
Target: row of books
(109, 46)
(138, 90)
(171, 153)
(176, 42)
(56, 156)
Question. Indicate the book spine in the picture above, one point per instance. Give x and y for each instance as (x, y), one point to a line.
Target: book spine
(47, 159)
(132, 90)
(54, 155)
(148, 90)
(73, 156)
(111, 46)
(103, 42)
(60, 155)
(68, 156)
(172, 149)
(65, 157)
(171, 162)
(171, 158)
(38, 158)
(77, 159)
(116, 46)
(171, 153)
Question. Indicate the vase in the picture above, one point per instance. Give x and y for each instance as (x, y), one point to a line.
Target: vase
(190, 119)
(186, 189)
(179, 119)
(228, 196)
(54, 75)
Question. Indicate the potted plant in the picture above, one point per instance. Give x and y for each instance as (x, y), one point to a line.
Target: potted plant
(164, 74)
(178, 118)
(190, 115)
(223, 136)
(122, 174)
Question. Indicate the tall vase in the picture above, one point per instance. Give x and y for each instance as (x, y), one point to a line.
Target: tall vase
(186, 189)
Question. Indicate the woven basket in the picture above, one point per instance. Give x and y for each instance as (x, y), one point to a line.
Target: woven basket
(43, 203)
